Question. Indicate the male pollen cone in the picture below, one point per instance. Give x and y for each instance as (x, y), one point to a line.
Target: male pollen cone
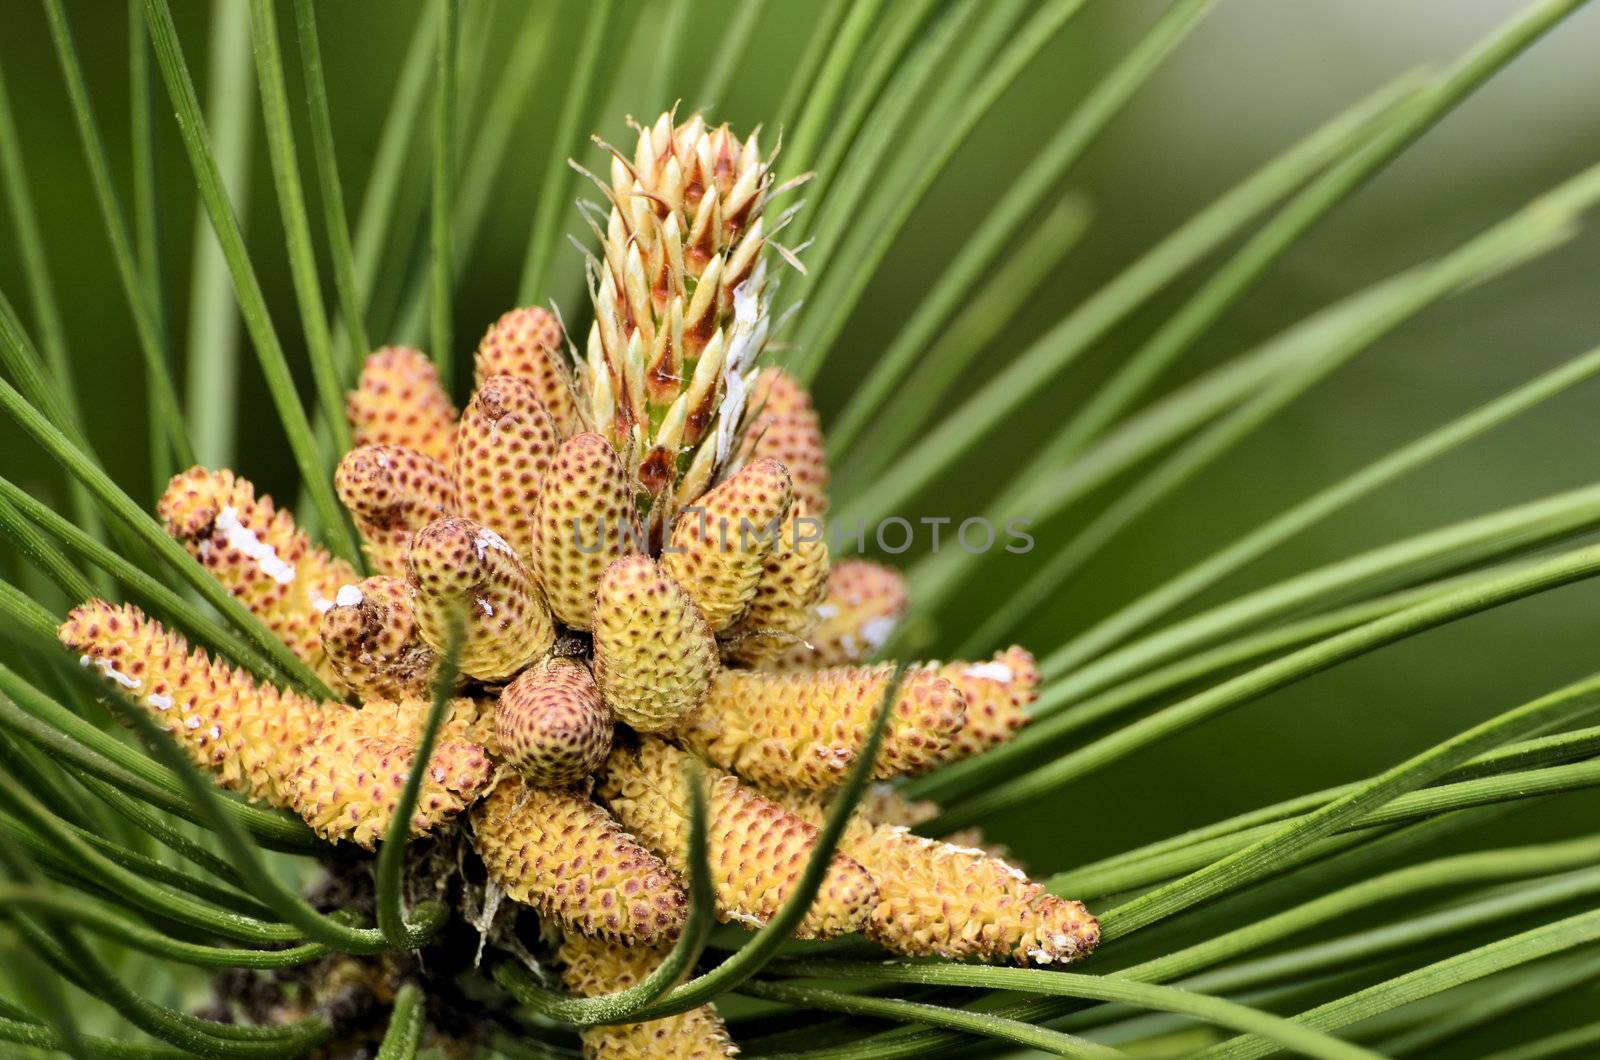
(786, 428)
(997, 694)
(806, 729)
(370, 636)
(258, 554)
(551, 724)
(720, 545)
(783, 612)
(553, 849)
(504, 446)
(392, 492)
(399, 400)
(940, 900)
(595, 967)
(654, 657)
(461, 571)
(863, 603)
(757, 849)
(527, 343)
(584, 520)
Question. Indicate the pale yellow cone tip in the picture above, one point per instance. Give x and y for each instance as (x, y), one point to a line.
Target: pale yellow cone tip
(861, 608)
(786, 428)
(371, 638)
(596, 967)
(350, 775)
(941, 900)
(584, 521)
(399, 401)
(528, 343)
(806, 729)
(783, 611)
(551, 724)
(258, 554)
(392, 492)
(243, 732)
(461, 571)
(654, 656)
(998, 693)
(720, 545)
(504, 447)
(555, 850)
(757, 849)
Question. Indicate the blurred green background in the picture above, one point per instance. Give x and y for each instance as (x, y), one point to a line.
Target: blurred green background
(1256, 75)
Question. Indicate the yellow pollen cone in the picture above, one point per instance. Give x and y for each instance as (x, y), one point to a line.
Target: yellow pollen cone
(720, 545)
(553, 849)
(653, 654)
(551, 724)
(504, 447)
(806, 729)
(258, 554)
(595, 967)
(585, 520)
(399, 401)
(757, 849)
(786, 428)
(393, 492)
(863, 603)
(459, 570)
(370, 635)
(527, 343)
(783, 612)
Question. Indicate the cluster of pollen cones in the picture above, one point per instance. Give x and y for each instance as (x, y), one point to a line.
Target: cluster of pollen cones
(626, 548)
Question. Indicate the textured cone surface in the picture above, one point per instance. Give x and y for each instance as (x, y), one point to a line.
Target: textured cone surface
(244, 733)
(371, 638)
(720, 546)
(884, 804)
(458, 568)
(997, 694)
(680, 301)
(553, 849)
(940, 900)
(352, 771)
(503, 450)
(595, 967)
(757, 849)
(393, 492)
(806, 729)
(257, 554)
(399, 401)
(863, 603)
(552, 725)
(783, 612)
(786, 428)
(585, 520)
(527, 343)
(653, 655)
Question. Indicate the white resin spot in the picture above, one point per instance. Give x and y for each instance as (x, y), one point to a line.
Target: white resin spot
(158, 701)
(827, 611)
(348, 596)
(488, 539)
(245, 540)
(875, 631)
(193, 721)
(990, 671)
(105, 667)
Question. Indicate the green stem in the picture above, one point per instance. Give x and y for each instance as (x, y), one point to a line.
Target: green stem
(553, 188)
(314, 468)
(145, 319)
(406, 1021)
(296, 220)
(441, 227)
